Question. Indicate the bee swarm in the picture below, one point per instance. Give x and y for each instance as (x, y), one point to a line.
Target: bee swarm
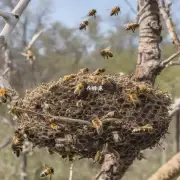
(53, 99)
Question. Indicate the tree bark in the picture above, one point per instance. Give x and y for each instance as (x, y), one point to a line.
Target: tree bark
(169, 170)
(149, 53)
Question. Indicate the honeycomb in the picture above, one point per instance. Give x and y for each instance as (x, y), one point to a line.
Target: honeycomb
(58, 115)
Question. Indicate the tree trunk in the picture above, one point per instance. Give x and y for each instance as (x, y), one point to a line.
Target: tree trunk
(149, 52)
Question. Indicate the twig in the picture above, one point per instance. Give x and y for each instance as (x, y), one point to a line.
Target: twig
(24, 166)
(10, 25)
(175, 107)
(62, 118)
(5, 142)
(131, 7)
(168, 60)
(173, 63)
(169, 23)
(71, 171)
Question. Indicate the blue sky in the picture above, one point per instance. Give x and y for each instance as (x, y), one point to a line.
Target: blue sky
(71, 12)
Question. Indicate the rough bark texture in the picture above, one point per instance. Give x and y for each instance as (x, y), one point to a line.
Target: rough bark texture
(150, 29)
(169, 170)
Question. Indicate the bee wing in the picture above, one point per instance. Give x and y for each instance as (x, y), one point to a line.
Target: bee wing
(108, 48)
(34, 38)
(24, 54)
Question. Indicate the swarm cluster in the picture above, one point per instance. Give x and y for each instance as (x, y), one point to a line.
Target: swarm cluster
(134, 115)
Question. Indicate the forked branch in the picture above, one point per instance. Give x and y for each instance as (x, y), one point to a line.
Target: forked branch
(11, 20)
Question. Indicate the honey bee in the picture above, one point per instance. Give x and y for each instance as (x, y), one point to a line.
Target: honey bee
(69, 77)
(99, 71)
(17, 143)
(98, 157)
(4, 96)
(97, 123)
(134, 98)
(115, 11)
(131, 26)
(84, 70)
(146, 128)
(92, 12)
(79, 88)
(29, 54)
(47, 171)
(83, 25)
(106, 53)
(54, 125)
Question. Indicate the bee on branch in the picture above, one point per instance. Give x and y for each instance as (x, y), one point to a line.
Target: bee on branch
(146, 128)
(97, 123)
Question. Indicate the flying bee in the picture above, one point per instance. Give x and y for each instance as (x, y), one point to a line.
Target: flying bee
(106, 53)
(146, 128)
(97, 123)
(47, 171)
(115, 11)
(84, 71)
(79, 88)
(98, 157)
(131, 26)
(83, 25)
(17, 143)
(29, 54)
(92, 12)
(69, 77)
(99, 71)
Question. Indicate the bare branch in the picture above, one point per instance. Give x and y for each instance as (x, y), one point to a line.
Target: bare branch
(169, 170)
(34, 38)
(9, 27)
(168, 60)
(5, 142)
(71, 171)
(24, 166)
(175, 107)
(164, 9)
(131, 7)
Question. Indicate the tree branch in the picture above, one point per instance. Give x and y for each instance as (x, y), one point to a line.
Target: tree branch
(169, 170)
(175, 107)
(165, 11)
(9, 26)
(5, 142)
(165, 63)
(71, 171)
